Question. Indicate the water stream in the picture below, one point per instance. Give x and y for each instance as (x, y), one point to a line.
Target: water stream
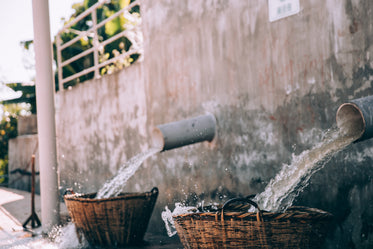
(277, 196)
(64, 237)
(280, 193)
(293, 178)
(115, 186)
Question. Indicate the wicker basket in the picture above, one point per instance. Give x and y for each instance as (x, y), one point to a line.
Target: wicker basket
(112, 222)
(298, 227)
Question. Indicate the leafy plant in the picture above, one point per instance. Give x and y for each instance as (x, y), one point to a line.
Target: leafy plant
(12, 109)
(28, 97)
(110, 29)
(109, 51)
(8, 130)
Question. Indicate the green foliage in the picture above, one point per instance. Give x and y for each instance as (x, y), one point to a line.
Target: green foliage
(26, 44)
(3, 171)
(107, 31)
(8, 122)
(28, 96)
(8, 130)
(110, 29)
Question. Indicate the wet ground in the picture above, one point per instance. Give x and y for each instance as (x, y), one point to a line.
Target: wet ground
(15, 209)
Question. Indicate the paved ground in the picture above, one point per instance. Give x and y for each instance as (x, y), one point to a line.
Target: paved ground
(15, 209)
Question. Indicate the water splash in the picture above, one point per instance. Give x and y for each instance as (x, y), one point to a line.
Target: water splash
(290, 181)
(293, 178)
(168, 220)
(65, 237)
(60, 237)
(114, 186)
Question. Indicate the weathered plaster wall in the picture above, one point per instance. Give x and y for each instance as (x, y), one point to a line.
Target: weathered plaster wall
(273, 87)
(21, 150)
(100, 125)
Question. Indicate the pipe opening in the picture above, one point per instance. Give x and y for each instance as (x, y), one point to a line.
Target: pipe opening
(350, 120)
(157, 139)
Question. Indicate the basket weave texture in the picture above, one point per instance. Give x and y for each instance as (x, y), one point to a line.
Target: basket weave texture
(298, 227)
(112, 222)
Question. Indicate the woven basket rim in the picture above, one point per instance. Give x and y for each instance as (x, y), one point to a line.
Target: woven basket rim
(90, 197)
(242, 229)
(293, 213)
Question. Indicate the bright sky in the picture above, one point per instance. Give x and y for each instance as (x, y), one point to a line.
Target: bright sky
(16, 26)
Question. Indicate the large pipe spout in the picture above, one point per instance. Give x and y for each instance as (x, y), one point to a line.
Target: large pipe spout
(356, 118)
(185, 132)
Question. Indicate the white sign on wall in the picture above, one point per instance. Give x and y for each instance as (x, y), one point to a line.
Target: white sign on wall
(282, 8)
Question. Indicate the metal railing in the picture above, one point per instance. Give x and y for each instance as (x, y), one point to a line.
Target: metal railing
(97, 45)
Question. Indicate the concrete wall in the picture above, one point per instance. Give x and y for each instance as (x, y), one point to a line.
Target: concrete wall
(27, 125)
(274, 88)
(21, 150)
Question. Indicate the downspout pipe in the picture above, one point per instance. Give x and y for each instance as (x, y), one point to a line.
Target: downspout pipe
(45, 116)
(356, 118)
(185, 132)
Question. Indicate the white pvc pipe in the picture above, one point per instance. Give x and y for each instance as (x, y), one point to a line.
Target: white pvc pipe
(184, 132)
(46, 116)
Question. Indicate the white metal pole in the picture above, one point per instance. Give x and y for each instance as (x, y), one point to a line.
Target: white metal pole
(46, 116)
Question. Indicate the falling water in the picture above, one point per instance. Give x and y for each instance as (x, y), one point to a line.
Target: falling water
(167, 216)
(114, 186)
(64, 237)
(293, 178)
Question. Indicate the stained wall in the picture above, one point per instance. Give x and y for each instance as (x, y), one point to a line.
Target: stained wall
(274, 88)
